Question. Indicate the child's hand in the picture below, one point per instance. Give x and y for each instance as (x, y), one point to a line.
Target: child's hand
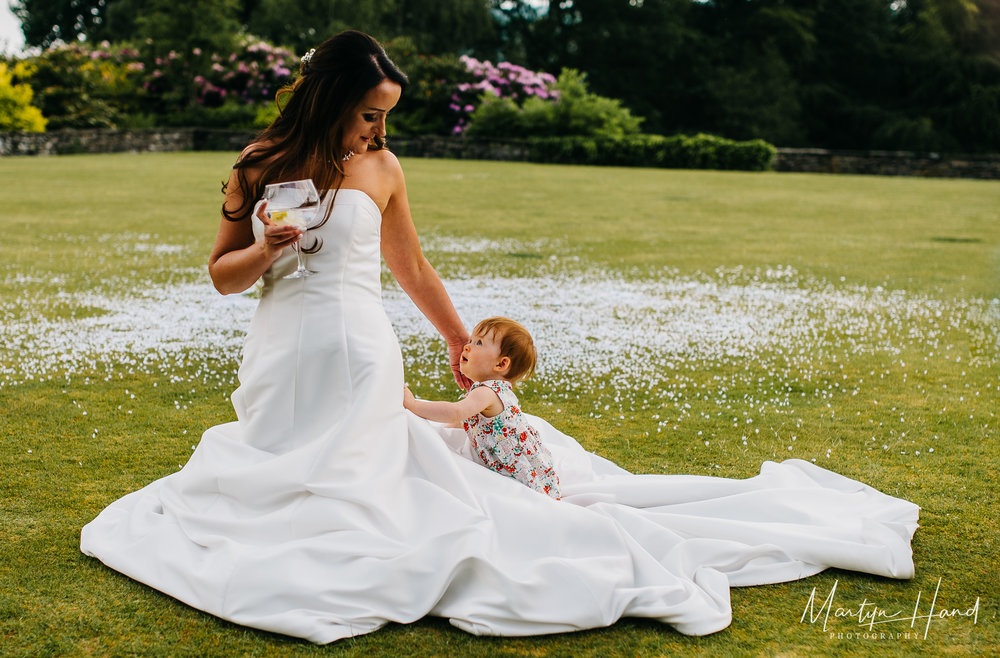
(408, 397)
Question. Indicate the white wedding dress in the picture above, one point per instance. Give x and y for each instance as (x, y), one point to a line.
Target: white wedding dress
(327, 510)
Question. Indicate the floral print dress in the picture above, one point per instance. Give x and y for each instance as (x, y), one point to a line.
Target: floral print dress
(507, 444)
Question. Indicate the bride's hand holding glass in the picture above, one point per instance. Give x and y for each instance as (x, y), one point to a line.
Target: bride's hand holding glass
(276, 236)
(293, 204)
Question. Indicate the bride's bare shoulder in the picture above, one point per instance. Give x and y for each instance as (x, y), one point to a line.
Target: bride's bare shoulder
(391, 171)
(387, 161)
(381, 176)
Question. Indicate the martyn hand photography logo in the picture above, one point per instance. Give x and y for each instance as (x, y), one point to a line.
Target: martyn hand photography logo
(876, 622)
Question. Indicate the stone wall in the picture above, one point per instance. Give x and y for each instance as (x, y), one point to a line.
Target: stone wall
(94, 141)
(63, 142)
(886, 163)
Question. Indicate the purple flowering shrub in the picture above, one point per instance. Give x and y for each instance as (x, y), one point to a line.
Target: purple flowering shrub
(232, 84)
(252, 75)
(507, 100)
(507, 81)
(569, 110)
(118, 85)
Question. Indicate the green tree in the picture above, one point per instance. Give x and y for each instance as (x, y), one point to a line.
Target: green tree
(443, 26)
(754, 98)
(751, 86)
(952, 76)
(515, 25)
(44, 22)
(177, 25)
(919, 74)
(160, 26)
(643, 52)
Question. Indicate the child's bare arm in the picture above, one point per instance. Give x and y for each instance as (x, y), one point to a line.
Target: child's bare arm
(453, 413)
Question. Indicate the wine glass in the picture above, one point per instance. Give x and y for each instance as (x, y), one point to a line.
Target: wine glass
(294, 203)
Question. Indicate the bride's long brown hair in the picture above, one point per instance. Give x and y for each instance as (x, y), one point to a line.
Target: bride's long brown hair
(306, 140)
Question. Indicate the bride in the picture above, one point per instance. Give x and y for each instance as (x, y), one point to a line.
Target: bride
(327, 510)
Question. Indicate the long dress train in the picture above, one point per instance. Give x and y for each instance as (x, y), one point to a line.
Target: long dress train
(327, 510)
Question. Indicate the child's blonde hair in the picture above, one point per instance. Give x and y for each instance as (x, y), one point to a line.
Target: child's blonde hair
(515, 344)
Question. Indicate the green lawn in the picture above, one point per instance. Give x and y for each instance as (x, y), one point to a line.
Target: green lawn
(689, 321)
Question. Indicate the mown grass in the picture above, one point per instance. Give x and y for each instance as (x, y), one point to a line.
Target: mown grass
(914, 417)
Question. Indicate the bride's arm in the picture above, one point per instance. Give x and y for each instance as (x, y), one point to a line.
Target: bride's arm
(415, 275)
(237, 261)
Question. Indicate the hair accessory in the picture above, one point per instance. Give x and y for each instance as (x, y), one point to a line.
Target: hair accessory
(307, 58)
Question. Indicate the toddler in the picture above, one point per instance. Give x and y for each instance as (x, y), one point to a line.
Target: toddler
(498, 355)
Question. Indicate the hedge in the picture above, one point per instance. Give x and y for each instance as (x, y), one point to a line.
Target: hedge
(674, 152)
